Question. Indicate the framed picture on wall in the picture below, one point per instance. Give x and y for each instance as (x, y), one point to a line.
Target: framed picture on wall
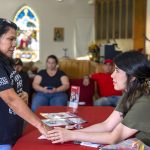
(58, 34)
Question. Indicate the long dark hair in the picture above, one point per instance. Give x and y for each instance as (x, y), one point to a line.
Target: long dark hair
(135, 65)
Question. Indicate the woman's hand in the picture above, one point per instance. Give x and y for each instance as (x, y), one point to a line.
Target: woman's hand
(24, 96)
(60, 135)
(43, 129)
(53, 90)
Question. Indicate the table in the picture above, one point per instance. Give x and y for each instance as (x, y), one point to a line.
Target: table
(92, 114)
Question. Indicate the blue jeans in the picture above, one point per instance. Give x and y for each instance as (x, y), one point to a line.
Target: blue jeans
(107, 101)
(47, 99)
(5, 147)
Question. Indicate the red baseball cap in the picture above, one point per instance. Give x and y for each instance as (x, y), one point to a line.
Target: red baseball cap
(108, 61)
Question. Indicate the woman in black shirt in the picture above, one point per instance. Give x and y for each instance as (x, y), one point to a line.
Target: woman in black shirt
(12, 96)
(50, 85)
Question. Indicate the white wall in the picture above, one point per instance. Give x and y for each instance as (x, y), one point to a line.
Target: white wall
(53, 14)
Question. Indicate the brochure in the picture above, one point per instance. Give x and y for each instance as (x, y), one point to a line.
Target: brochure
(62, 115)
(90, 144)
(63, 121)
(74, 97)
(76, 120)
(55, 122)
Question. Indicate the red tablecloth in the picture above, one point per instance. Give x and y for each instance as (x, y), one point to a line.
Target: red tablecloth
(29, 141)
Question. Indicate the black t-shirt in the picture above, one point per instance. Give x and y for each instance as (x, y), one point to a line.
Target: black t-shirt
(52, 81)
(10, 124)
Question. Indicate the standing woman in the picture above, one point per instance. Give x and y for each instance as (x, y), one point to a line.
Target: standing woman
(50, 85)
(131, 116)
(12, 96)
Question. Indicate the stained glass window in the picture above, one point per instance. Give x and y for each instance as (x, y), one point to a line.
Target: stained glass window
(28, 35)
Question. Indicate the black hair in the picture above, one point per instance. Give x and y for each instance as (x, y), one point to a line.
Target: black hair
(53, 57)
(136, 65)
(5, 25)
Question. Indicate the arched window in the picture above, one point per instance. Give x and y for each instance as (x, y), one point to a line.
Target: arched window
(28, 35)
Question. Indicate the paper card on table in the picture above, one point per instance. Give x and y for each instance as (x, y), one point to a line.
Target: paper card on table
(76, 120)
(55, 122)
(91, 144)
(57, 115)
(63, 121)
(41, 137)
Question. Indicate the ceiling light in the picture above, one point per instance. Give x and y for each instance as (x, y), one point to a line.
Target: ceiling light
(59, 0)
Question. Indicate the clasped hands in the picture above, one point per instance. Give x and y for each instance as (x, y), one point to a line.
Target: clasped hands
(59, 135)
(46, 90)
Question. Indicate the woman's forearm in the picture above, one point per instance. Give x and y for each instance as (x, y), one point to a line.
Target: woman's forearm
(100, 127)
(102, 138)
(106, 126)
(13, 101)
(38, 88)
(62, 88)
(119, 133)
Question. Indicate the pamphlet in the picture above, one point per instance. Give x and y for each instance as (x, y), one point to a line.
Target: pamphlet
(74, 99)
(63, 121)
(76, 120)
(90, 144)
(55, 122)
(57, 115)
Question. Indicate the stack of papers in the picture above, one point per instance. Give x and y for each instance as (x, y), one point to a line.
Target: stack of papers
(55, 122)
(76, 120)
(61, 119)
(57, 115)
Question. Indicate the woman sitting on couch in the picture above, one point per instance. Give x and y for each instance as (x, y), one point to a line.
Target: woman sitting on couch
(50, 85)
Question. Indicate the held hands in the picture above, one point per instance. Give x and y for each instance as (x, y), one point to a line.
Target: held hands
(43, 129)
(56, 134)
(59, 135)
(53, 90)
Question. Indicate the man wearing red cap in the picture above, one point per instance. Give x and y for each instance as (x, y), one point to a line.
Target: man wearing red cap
(105, 95)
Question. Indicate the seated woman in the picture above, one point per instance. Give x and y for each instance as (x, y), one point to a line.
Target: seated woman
(131, 116)
(50, 85)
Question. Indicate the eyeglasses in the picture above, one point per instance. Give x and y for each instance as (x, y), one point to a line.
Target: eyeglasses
(5, 22)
